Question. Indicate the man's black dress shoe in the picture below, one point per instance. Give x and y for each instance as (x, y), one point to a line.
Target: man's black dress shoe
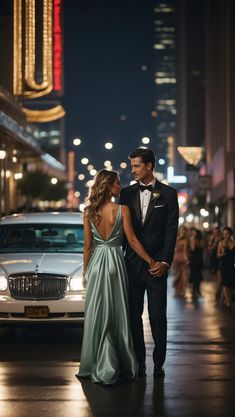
(159, 373)
(142, 371)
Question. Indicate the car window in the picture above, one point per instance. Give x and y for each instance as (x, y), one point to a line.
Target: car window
(41, 238)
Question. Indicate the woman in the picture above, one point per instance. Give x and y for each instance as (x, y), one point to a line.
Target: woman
(226, 253)
(215, 261)
(107, 350)
(212, 249)
(180, 263)
(196, 261)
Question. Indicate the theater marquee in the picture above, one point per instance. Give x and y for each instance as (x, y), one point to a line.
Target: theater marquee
(38, 55)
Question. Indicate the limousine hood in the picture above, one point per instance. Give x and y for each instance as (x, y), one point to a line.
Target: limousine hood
(51, 263)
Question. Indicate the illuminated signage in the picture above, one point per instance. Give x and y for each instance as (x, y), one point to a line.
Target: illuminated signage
(27, 53)
(57, 48)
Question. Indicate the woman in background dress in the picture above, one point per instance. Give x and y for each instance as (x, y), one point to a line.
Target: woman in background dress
(226, 253)
(180, 263)
(196, 261)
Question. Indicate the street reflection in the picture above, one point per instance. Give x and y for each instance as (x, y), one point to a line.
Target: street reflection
(158, 398)
(127, 398)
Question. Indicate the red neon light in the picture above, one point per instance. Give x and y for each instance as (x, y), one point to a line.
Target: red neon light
(57, 36)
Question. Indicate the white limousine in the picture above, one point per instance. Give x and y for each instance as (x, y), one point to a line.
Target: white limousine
(41, 262)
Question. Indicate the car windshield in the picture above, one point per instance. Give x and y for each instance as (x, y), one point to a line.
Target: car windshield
(41, 238)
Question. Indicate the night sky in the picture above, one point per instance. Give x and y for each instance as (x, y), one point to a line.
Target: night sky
(106, 45)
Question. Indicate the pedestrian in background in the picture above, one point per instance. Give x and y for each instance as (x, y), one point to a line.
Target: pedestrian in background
(196, 261)
(181, 263)
(214, 260)
(226, 253)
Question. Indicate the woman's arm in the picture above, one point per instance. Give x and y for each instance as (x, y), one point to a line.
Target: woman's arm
(87, 245)
(185, 250)
(132, 239)
(220, 250)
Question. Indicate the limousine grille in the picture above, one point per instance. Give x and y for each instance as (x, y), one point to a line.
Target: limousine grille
(37, 286)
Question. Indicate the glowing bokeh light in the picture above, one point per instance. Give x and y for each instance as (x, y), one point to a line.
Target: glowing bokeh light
(123, 165)
(108, 145)
(107, 163)
(81, 177)
(145, 140)
(77, 142)
(93, 172)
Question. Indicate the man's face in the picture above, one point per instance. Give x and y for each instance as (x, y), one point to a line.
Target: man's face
(140, 170)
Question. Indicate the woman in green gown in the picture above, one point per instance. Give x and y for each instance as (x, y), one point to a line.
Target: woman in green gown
(107, 349)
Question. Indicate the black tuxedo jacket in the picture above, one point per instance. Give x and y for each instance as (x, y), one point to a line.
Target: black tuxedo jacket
(158, 233)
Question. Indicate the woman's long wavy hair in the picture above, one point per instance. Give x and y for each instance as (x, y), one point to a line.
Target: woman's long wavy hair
(100, 193)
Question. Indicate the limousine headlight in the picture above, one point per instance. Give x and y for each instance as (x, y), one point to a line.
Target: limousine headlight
(3, 283)
(75, 284)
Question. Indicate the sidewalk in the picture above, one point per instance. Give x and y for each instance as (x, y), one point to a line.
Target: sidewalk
(38, 370)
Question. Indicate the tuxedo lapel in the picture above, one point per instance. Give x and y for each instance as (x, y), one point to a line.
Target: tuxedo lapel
(136, 204)
(152, 201)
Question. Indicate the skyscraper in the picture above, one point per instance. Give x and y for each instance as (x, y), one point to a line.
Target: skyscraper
(165, 81)
(190, 129)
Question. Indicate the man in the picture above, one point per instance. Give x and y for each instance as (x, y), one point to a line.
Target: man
(154, 211)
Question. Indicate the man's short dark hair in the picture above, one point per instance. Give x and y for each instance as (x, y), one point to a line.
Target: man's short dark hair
(145, 154)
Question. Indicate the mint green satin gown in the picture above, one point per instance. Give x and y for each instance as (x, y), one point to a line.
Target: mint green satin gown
(107, 349)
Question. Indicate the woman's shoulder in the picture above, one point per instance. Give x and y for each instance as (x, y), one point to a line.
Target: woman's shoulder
(113, 206)
(86, 213)
(125, 211)
(124, 207)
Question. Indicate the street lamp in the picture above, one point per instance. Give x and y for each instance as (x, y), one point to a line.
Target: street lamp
(18, 176)
(77, 142)
(145, 140)
(107, 163)
(2, 154)
(123, 165)
(108, 145)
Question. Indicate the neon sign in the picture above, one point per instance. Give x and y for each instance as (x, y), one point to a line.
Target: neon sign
(57, 48)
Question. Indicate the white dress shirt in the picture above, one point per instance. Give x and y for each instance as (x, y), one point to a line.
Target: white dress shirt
(145, 199)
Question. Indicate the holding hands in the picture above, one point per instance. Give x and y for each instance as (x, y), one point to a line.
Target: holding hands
(157, 268)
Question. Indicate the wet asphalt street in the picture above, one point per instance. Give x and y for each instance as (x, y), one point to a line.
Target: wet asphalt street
(37, 367)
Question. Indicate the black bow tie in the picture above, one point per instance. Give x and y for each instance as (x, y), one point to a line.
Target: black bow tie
(145, 187)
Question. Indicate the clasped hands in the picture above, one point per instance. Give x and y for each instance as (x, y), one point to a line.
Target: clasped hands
(157, 268)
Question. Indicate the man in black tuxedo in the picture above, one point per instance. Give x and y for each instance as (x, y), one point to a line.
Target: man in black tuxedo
(154, 211)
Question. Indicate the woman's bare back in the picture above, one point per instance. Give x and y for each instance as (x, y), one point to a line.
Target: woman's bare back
(108, 215)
